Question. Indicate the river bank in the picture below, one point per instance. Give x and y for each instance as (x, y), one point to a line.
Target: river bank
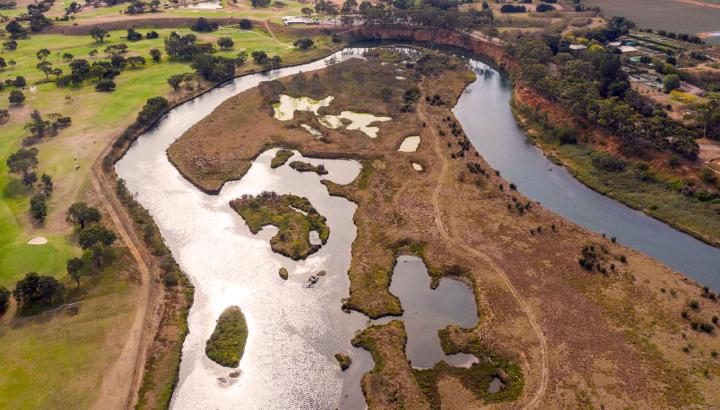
(638, 187)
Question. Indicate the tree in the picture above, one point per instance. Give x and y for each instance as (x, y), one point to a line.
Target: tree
(156, 55)
(154, 107)
(105, 86)
(135, 61)
(4, 299)
(152, 34)
(259, 57)
(15, 29)
(304, 43)
(74, 269)
(133, 35)
(46, 68)
(225, 43)
(80, 215)
(16, 98)
(10, 45)
(349, 7)
(307, 11)
(670, 83)
(67, 57)
(33, 288)
(42, 54)
(23, 162)
(96, 234)
(3, 64)
(245, 24)
(38, 207)
(38, 126)
(260, 3)
(47, 184)
(175, 80)
(93, 53)
(203, 25)
(99, 34)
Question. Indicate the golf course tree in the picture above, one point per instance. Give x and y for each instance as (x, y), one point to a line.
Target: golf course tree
(156, 55)
(4, 299)
(96, 240)
(152, 110)
(245, 24)
(304, 43)
(74, 269)
(214, 68)
(185, 47)
(204, 25)
(16, 98)
(260, 3)
(225, 43)
(34, 288)
(38, 207)
(98, 34)
(40, 127)
(81, 215)
(24, 162)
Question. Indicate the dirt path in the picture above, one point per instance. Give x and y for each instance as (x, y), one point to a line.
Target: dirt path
(267, 26)
(540, 392)
(121, 382)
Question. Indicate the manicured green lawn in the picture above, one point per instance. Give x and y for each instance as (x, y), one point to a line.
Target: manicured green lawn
(96, 118)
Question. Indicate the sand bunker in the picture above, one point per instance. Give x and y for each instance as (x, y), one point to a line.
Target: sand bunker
(410, 144)
(417, 167)
(358, 121)
(37, 241)
(285, 110)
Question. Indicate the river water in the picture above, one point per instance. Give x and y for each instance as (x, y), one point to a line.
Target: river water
(294, 331)
(484, 113)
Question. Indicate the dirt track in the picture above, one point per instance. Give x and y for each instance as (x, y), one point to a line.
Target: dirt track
(540, 392)
(120, 384)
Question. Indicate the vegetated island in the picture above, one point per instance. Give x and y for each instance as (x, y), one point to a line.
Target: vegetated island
(283, 212)
(525, 263)
(301, 166)
(226, 345)
(280, 158)
(344, 360)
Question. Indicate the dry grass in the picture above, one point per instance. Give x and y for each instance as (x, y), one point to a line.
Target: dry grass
(614, 340)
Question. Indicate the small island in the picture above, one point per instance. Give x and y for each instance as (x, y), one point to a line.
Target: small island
(300, 166)
(283, 273)
(294, 216)
(281, 157)
(344, 360)
(226, 345)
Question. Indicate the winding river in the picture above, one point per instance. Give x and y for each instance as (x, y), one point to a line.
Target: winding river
(295, 331)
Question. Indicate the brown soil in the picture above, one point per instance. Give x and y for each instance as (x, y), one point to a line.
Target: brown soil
(582, 338)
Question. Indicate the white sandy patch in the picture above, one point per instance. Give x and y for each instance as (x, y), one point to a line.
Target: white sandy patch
(285, 110)
(314, 132)
(410, 144)
(358, 121)
(37, 241)
(417, 167)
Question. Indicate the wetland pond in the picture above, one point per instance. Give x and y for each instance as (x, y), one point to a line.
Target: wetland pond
(294, 332)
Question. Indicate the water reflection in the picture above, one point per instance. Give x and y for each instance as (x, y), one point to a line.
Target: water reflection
(426, 310)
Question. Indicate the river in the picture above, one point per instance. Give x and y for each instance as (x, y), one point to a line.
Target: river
(485, 114)
(293, 331)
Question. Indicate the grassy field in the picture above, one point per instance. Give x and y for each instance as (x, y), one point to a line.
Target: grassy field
(57, 359)
(96, 117)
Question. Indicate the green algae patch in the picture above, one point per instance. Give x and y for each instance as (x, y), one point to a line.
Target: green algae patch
(226, 345)
(294, 216)
(281, 157)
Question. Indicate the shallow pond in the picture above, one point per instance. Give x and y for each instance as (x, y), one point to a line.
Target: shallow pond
(285, 109)
(410, 144)
(426, 310)
(357, 121)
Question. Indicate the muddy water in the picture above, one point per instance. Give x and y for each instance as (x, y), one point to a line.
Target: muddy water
(294, 331)
(485, 115)
(426, 310)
